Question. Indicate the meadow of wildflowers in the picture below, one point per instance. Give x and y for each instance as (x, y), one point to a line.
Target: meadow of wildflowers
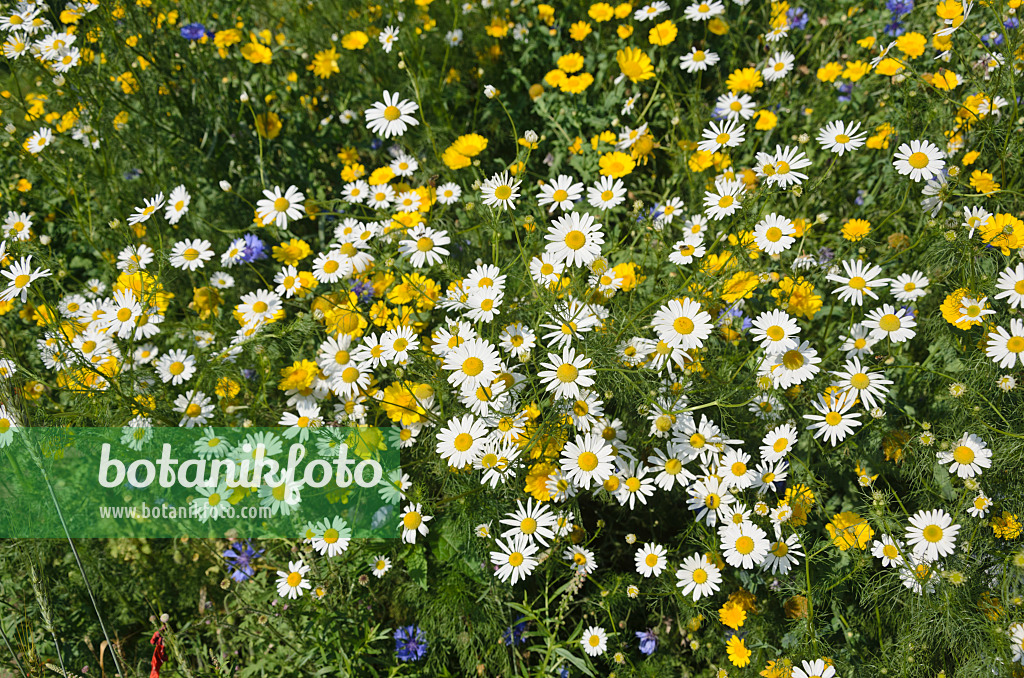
(699, 326)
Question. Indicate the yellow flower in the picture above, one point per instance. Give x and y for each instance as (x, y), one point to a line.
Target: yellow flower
(881, 137)
(546, 13)
(616, 164)
(537, 481)
(292, 252)
(739, 655)
(744, 80)
(848, 530)
(268, 125)
(469, 145)
(380, 176)
(1006, 526)
(574, 84)
(1004, 231)
(555, 77)
(912, 44)
(634, 64)
(718, 27)
(970, 157)
(571, 62)
(798, 297)
(454, 160)
(983, 182)
(601, 12)
(298, 376)
(206, 301)
(227, 387)
(867, 43)
(402, 401)
(663, 34)
(765, 120)
(325, 63)
(945, 80)
(740, 286)
(498, 28)
(732, 615)
(354, 40)
(855, 70)
(856, 229)
(628, 273)
(579, 30)
(226, 38)
(830, 71)
(624, 31)
(257, 53)
(889, 67)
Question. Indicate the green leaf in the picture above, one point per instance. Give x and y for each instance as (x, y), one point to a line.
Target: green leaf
(574, 660)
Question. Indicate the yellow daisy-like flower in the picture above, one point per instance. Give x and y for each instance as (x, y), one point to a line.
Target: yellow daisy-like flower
(739, 655)
(849, 530)
(616, 164)
(634, 64)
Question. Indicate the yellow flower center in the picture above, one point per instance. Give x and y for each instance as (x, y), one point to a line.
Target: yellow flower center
(575, 239)
(462, 442)
(412, 520)
(682, 325)
(745, 545)
(833, 418)
(472, 366)
(963, 454)
(566, 373)
(392, 113)
(587, 461)
(932, 533)
(918, 160)
(889, 322)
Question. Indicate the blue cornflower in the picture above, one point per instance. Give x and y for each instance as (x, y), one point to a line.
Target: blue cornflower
(895, 29)
(825, 255)
(193, 31)
(363, 290)
(992, 38)
(1012, 23)
(255, 249)
(376, 144)
(248, 373)
(648, 641)
(898, 7)
(410, 644)
(514, 634)
(240, 557)
(797, 17)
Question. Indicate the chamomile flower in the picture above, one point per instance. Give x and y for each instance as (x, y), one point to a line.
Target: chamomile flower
(973, 310)
(967, 457)
(859, 279)
(259, 307)
(921, 160)
(515, 559)
(355, 192)
(686, 250)
(651, 560)
(889, 550)
(581, 560)
(723, 134)
(814, 669)
(566, 374)
(744, 545)
(500, 191)
(587, 460)
(413, 523)
(839, 137)
(682, 323)
(379, 566)
(635, 484)
(332, 537)
(594, 640)
(387, 39)
(909, 287)
(932, 535)
(39, 140)
(710, 499)
(473, 363)
(291, 583)
(1006, 348)
(704, 10)
(532, 522)
(651, 10)
(861, 383)
(735, 107)
(177, 204)
(975, 218)
(783, 555)
(279, 208)
(698, 576)
(176, 366)
(399, 343)
(195, 408)
(834, 420)
(560, 193)
(392, 116)
(792, 366)
(980, 505)
(574, 239)
(670, 470)
(606, 193)
(461, 441)
(724, 200)
(775, 330)
(1011, 286)
(888, 322)
(449, 193)
(774, 234)
(17, 225)
(779, 66)
(697, 60)
(858, 343)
